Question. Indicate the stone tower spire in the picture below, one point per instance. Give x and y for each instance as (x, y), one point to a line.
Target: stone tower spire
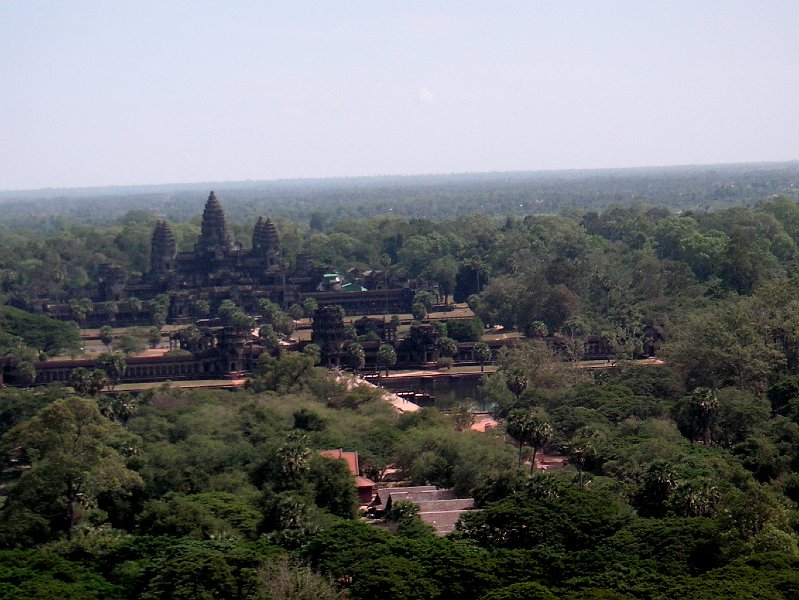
(266, 242)
(265, 237)
(163, 249)
(214, 234)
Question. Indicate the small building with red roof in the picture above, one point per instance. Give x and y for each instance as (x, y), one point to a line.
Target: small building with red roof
(366, 487)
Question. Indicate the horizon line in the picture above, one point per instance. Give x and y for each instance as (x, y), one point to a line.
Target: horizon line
(344, 178)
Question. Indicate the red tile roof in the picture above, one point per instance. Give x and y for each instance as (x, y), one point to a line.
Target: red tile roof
(351, 458)
(361, 482)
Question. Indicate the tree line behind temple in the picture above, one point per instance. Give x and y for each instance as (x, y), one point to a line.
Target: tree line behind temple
(707, 187)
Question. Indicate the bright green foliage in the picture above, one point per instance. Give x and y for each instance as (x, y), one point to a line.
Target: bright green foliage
(356, 357)
(527, 428)
(465, 330)
(612, 401)
(36, 331)
(289, 372)
(309, 307)
(153, 337)
(202, 308)
(268, 336)
(230, 314)
(208, 515)
(159, 309)
(386, 356)
(449, 458)
(547, 513)
(334, 486)
(106, 335)
(89, 383)
(281, 578)
(521, 591)
(25, 373)
(427, 299)
(294, 457)
(69, 446)
(33, 574)
(193, 573)
(482, 353)
(448, 347)
(315, 352)
(296, 312)
(419, 311)
(17, 405)
(114, 366)
(130, 343)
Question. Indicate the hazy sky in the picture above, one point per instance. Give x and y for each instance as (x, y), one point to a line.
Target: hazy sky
(99, 93)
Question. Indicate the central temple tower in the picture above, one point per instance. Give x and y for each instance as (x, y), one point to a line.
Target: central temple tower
(214, 234)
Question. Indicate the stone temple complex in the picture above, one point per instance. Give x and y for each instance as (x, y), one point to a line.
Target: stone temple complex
(189, 287)
(216, 259)
(220, 268)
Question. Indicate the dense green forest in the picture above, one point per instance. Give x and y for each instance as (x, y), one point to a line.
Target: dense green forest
(636, 275)
(683, 478)
(178, 494)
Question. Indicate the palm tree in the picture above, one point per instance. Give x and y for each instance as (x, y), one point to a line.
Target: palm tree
(462, 417)
(294, 455)
(385, 262)
(540, 434)
(518, 426)
(80, 310)
(386, 356)
(526, 428)
(697, 498)
(704, 405)
(659, 482)
(113, 365)
(106, 336)
(119, 408)
(482, 353)
(135, 306)
(580, 451)
(356, 356)
(112, 308)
